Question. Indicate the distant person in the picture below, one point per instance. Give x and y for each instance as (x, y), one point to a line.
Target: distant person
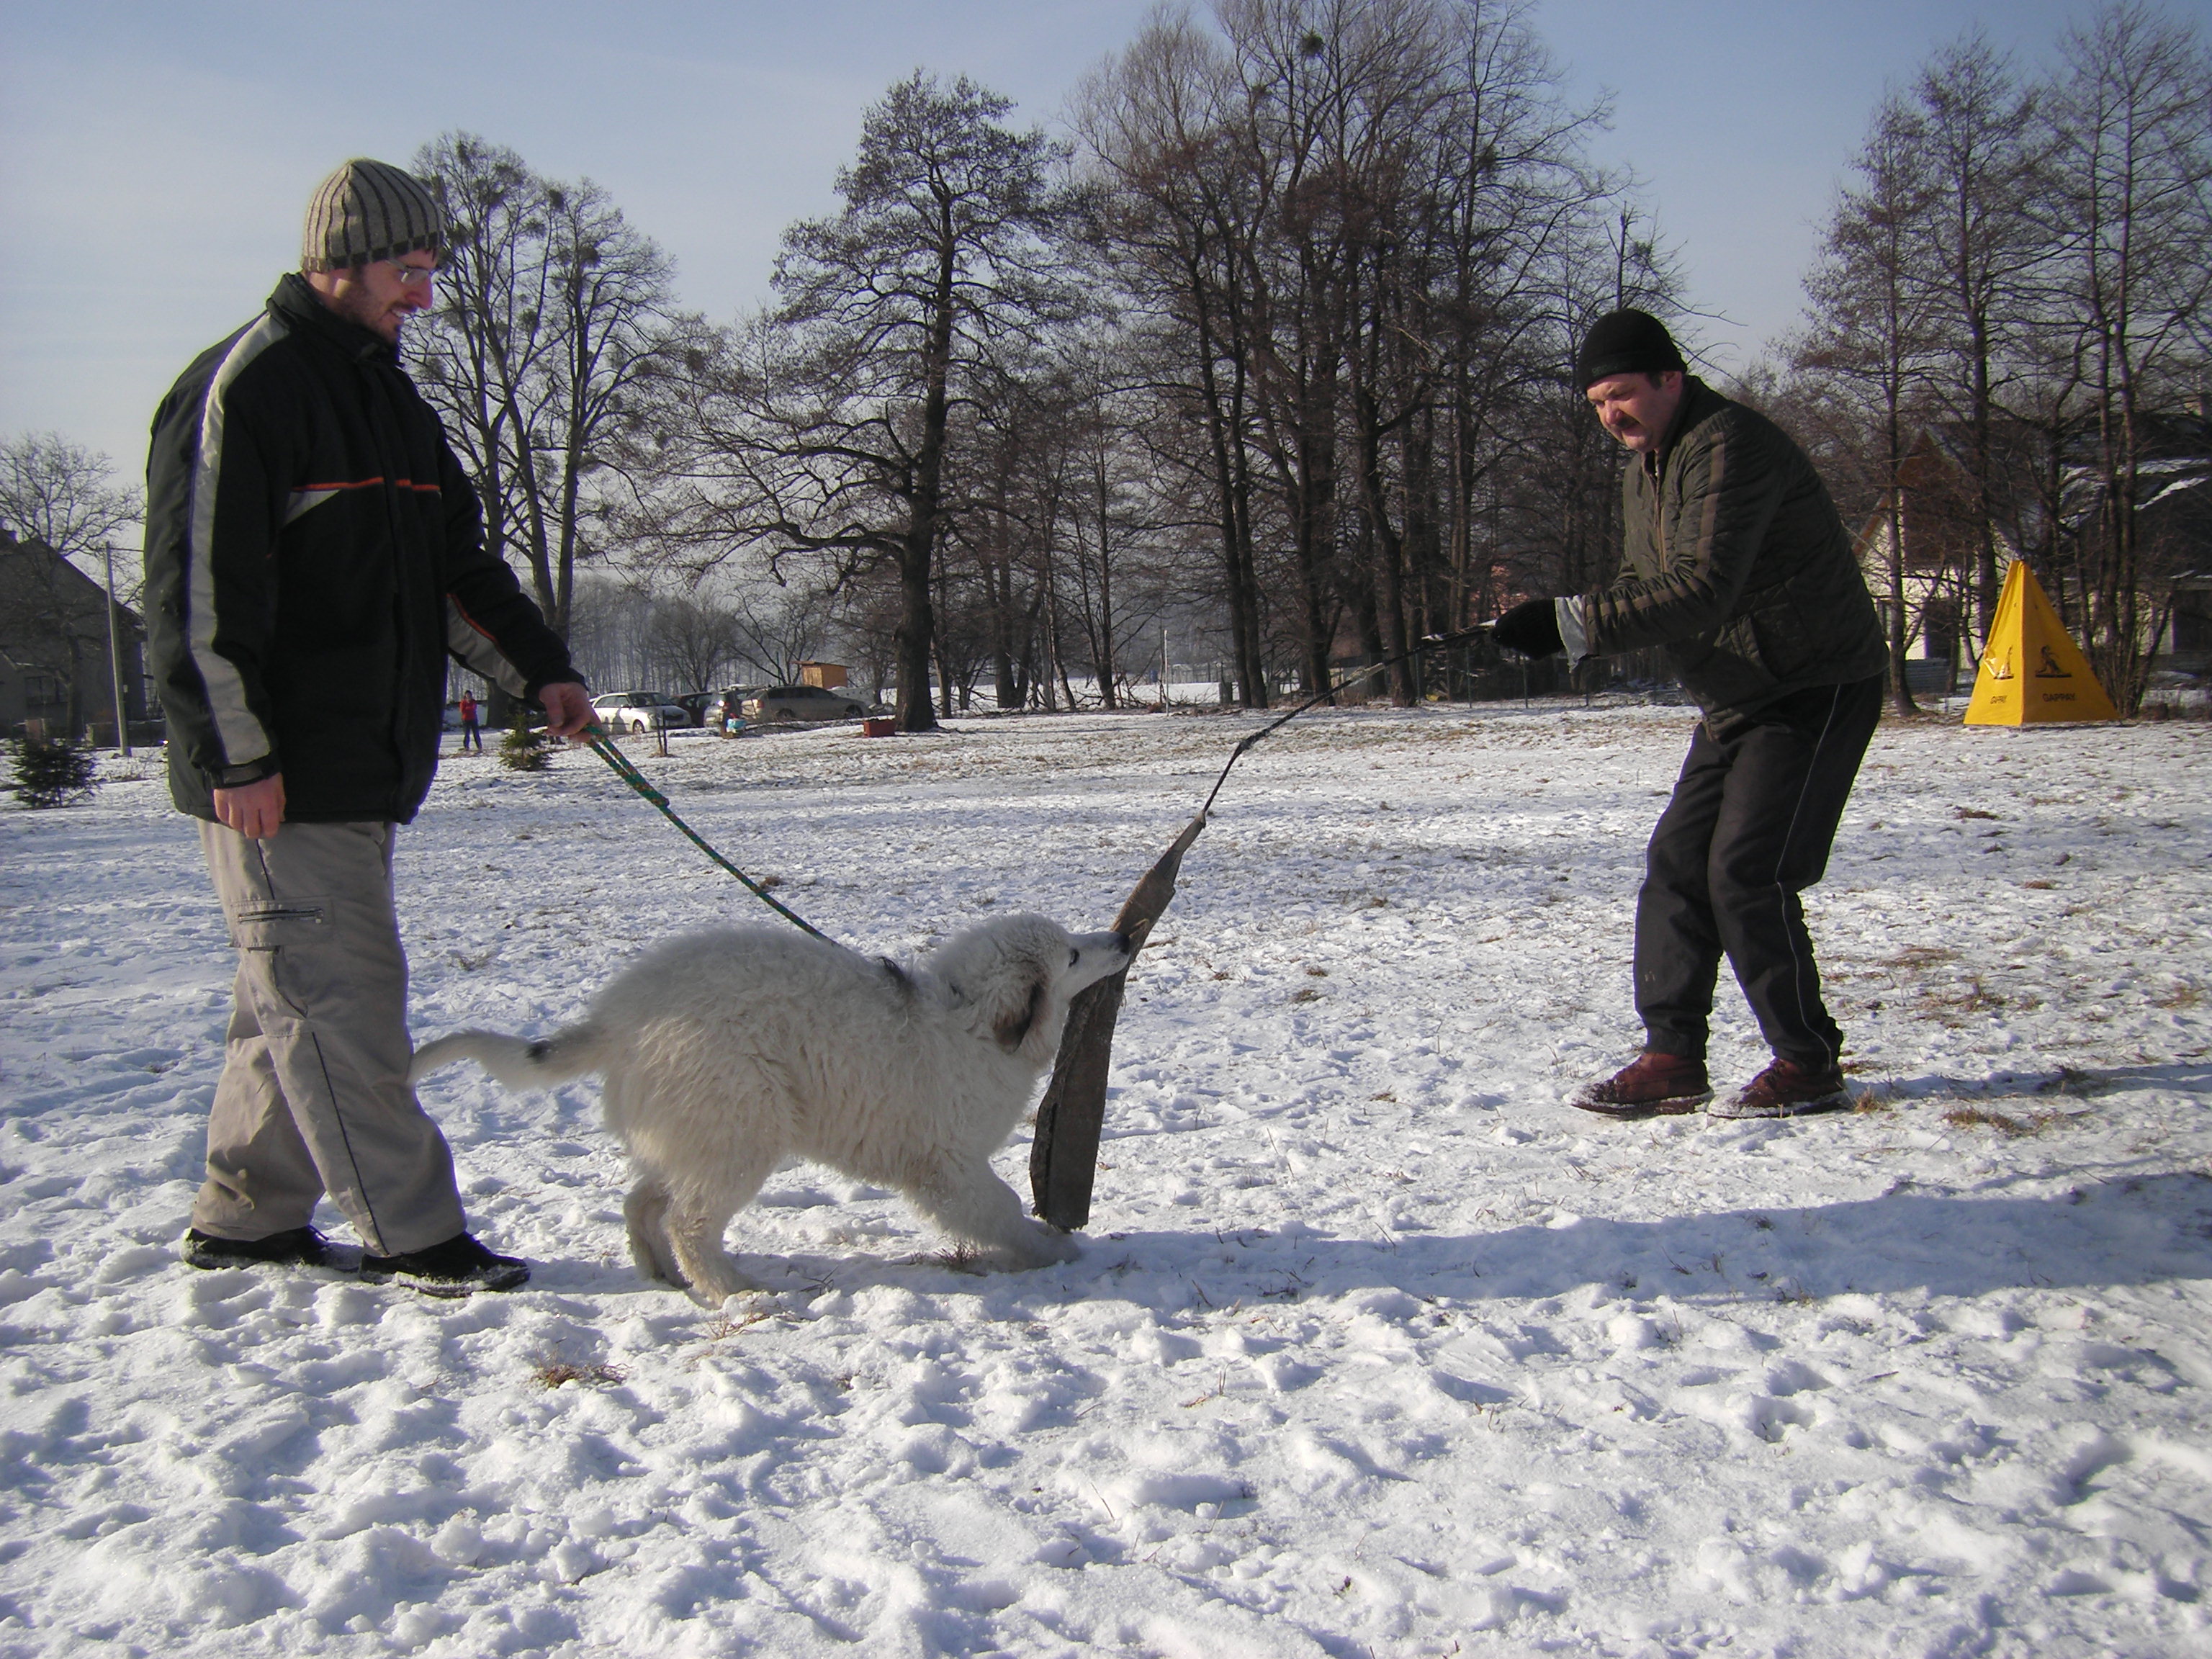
(313, 552)
(470, 737)
(1736, 562)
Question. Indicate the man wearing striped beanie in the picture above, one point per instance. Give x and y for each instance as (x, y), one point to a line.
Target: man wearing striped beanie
(314, 554)
(370, 244)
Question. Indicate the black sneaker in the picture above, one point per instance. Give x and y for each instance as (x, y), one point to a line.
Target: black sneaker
(457, 1267)
(297, 1246)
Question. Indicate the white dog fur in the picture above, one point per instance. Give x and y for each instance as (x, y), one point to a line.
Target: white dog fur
(724, 1051)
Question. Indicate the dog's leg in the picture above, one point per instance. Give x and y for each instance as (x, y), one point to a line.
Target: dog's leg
(645, 1210)
(962, 1196)
(698, 1214)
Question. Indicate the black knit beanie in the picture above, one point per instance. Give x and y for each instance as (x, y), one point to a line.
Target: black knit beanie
(1626, 343)
(368, 210)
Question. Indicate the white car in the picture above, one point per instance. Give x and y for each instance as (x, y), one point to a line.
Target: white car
(634, 712)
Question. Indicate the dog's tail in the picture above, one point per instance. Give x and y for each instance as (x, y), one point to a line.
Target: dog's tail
(515, 1062)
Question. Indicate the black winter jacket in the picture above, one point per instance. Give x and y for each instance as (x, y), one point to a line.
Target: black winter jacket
(1736, 560)
(313, 551)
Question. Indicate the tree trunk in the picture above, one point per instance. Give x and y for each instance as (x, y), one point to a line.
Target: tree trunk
(917, 625)
(1233, 494)
(1312, 497)
(1384, 613)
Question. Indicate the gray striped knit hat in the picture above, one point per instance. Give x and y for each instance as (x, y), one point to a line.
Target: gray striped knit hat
(368, 210)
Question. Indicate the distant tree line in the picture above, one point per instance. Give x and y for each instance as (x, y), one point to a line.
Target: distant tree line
(1275, 349)
(1265, 365)
(1271, 352)
(644, 634)
(2008, 337)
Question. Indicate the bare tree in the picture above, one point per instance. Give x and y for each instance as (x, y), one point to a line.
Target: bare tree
(1176, 227)
(1352, 226)
(693, 638)
(2011, 308)
(63, 497)
(555, 331)
(2131, 212)
(1868, 346)
(777, 626)
(888, 311)
(1974, 249)
(482, 362)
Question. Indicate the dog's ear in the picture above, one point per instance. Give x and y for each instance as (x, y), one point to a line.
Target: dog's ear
(1013, 1027)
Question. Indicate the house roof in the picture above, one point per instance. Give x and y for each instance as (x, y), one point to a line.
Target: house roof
(83, 592)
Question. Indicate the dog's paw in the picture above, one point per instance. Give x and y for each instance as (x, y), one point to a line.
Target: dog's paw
(654, 1271)
(1044, 1247)
(725, 1299)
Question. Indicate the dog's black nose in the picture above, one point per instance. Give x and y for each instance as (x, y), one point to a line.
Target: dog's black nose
(1122, 940)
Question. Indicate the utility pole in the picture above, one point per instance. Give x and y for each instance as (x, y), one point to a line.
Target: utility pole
(115, 656)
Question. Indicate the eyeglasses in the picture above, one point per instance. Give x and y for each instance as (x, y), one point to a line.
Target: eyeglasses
(415, 276)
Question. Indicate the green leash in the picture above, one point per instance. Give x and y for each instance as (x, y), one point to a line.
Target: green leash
(604, 747)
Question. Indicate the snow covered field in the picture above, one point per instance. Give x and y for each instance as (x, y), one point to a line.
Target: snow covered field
(1375, 1348)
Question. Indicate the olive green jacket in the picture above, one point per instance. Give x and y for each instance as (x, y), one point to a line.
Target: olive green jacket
(1734, 559)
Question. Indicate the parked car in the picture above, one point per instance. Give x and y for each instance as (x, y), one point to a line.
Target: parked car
(638, 711)
(801, 703)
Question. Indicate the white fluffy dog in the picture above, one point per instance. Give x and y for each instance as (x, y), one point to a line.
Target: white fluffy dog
(723, 1052)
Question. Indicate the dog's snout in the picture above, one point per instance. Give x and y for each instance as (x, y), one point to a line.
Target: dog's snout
(1097, 955)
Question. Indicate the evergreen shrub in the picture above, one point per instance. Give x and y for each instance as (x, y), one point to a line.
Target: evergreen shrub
(53, 772)
(523, 749)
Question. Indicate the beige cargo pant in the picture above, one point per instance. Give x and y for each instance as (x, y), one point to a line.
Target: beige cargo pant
(314, 1097)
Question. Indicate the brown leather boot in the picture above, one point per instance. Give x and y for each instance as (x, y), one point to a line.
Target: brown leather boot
(1650, 1085)
(1785, 1088)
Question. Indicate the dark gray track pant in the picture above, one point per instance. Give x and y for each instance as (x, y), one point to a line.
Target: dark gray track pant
(1749, 827)
(315, 1096)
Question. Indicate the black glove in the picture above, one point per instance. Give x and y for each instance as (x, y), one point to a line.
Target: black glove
(1532, 628)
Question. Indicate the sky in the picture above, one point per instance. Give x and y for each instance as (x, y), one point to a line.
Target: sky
(155, 158)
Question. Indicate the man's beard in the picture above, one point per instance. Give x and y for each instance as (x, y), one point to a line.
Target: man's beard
(358, 305)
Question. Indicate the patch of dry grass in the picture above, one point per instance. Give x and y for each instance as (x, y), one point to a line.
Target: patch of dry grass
(1951, 1005)
(550, 1372)
(728, 1324)
(1922, 956)
(1979, 1117)
(960, 1258)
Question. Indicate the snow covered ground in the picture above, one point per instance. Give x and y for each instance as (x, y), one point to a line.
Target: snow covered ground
(1375, 1348)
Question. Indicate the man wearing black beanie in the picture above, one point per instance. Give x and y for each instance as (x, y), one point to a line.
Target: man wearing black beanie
(1735, 563)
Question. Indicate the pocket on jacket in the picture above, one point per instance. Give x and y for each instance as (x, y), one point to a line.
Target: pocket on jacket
(1785, 643)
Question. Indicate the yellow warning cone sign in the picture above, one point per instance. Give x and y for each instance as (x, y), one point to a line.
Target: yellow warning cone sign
(2031, 670)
